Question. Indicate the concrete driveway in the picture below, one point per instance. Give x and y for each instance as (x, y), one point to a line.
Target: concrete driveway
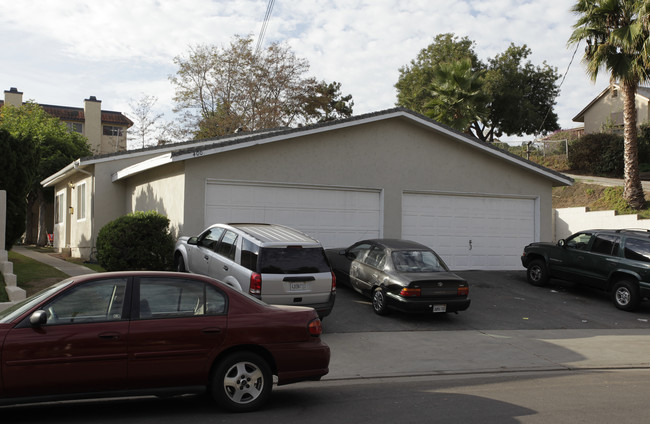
(510, 326)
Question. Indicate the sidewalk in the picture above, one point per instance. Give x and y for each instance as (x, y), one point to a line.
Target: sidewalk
(60, 264)
(417, 353)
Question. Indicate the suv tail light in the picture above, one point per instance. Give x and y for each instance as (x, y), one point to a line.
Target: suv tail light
(463, 291)
(410, 292)
(315, 327)
(255, 287)
(333, 282)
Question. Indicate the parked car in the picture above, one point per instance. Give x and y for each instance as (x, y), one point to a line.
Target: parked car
(277, 264)
(617, 261)
(401, 275)
(163, 333)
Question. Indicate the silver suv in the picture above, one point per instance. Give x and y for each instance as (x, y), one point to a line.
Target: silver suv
(277, 264)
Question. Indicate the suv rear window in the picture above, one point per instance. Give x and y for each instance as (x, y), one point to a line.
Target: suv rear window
(293, 260)
(637, 249)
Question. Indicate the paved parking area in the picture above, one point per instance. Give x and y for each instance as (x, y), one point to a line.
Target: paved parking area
(501, 300)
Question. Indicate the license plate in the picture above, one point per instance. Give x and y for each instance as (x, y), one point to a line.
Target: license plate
(439, 308)
(301, 286)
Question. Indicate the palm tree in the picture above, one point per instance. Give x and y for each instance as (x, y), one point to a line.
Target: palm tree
(616, 33)
(457, 95)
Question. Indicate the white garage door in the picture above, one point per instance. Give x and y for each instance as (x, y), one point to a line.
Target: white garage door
(471, 232)
(335, 216)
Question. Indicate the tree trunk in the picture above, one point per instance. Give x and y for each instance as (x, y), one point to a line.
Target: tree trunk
(42, 229)
(633, 191)
(30, 219)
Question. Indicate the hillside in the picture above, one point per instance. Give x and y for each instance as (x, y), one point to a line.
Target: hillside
(595, 197)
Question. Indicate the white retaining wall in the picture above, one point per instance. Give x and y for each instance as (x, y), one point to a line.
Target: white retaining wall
(571, 220)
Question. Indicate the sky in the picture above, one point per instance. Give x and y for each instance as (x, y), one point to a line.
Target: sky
(61, 52)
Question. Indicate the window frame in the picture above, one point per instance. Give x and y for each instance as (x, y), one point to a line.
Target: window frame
(59, 207)
(81, 201)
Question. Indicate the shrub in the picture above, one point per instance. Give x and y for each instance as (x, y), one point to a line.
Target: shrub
(597, 154)
(137, 241)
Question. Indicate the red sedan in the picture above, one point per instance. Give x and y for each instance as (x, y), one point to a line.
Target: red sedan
(161, 333)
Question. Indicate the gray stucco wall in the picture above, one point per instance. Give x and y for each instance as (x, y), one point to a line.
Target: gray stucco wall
(393, 154)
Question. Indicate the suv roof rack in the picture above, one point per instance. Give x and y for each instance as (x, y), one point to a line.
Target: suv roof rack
(643, 230)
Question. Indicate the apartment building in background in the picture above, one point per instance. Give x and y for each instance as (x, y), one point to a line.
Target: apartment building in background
(104, 129)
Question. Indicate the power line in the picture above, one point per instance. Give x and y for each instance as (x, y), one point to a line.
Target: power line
(260, 38)
(560, 86)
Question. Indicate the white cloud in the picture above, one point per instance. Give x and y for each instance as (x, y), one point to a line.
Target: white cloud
(60, 52)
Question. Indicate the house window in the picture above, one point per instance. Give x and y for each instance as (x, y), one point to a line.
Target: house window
(81, 201)
(112, 130)
(59, 208)
(75, 127)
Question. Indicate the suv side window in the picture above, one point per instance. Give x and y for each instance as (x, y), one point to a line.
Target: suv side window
(606, 244)
(637, 249)
(227, 245)
(210, 238)
(249, 254)
(579, 241)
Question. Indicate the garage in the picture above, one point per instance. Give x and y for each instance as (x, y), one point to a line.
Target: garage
(336, 216)
(472, 231)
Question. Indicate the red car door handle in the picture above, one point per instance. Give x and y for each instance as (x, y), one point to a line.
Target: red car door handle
(212, 330)
(113, 336)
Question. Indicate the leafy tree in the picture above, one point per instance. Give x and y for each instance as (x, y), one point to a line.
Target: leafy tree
(326, 103)
(221, 90)
(414, 80)
(513, 97)
(145, 120)
(56, 147)
(616, 33)
(18, 169)
(522, 96)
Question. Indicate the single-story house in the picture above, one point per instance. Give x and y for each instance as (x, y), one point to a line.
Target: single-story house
(393, 174)
(606, 110)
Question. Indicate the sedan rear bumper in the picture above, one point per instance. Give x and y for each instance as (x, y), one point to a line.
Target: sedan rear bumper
(419, 305)
(307, 361)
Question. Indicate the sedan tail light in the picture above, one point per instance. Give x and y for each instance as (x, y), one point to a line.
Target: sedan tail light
(463, 291)
(410, 292)
(315, 327)
(255, 287)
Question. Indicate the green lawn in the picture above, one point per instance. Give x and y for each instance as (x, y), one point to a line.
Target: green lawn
(33, 276)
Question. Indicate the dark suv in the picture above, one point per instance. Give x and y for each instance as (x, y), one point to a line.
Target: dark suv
(617, 261)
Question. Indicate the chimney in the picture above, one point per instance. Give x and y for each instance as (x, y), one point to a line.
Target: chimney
(13, 97)
(93, 123)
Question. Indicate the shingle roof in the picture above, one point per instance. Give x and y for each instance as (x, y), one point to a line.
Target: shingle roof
(187, 148)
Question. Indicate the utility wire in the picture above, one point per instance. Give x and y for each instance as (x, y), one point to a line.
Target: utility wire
(560, 86)
(260, 38)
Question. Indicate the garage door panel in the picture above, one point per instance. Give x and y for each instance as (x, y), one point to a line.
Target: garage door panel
(471, 232)
(335, 216)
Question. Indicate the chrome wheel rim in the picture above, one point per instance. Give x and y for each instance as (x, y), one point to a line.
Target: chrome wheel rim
(243, 382)
(378, 300)
(623, 296)
(535, 273)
